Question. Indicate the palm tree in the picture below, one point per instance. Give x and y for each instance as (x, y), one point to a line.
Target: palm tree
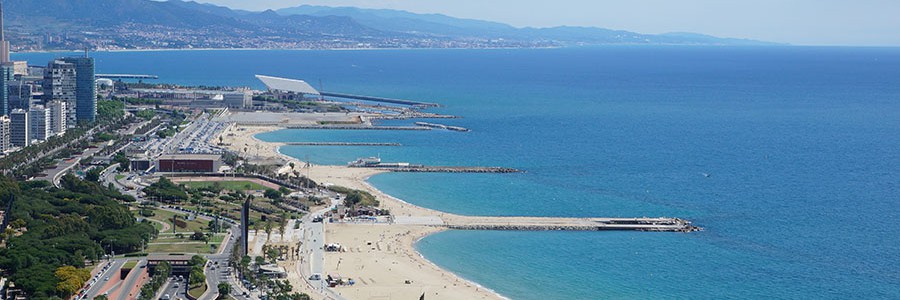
(268, 229)
(282, 224)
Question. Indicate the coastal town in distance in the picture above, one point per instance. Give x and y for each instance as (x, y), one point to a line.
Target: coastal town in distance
(169, 149)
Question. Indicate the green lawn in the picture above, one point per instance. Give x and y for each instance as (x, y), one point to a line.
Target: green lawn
(231, 210)
(156, 225)
(199, 248)
(193, 225)
(130, 264)
(197, 291)
(171, 238)
(228, 185)
(120, 177)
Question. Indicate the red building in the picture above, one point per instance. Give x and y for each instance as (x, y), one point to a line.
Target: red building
(189, 163)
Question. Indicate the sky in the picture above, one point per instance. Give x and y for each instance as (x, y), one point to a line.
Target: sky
(799, 22)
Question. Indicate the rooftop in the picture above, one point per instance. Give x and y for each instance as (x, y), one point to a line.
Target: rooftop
(287, 85)
(191, 156)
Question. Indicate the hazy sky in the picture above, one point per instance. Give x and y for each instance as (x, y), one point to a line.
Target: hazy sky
(805, 22)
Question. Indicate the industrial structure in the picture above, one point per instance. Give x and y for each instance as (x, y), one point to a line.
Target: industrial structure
(288, 89)
(242, 98)
(294, 89)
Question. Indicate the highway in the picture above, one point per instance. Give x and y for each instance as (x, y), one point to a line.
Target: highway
(218, 264)
(98, 282)
(174, 288)
(131, 281)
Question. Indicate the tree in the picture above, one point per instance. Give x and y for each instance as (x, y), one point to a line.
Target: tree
(122, 160)
(268, 229)
(245, 262)
(71, 279)
(101, 297)
(260, 260)
(272, 254)
(166, 190)
(272, 194)
(282, 224)
(224, 289)
(284, 191)
(197, 277)
(93, 175)
(197, 260)
(198, 236)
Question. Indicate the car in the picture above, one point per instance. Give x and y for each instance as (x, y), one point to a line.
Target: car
(315, 277)
(106, 279)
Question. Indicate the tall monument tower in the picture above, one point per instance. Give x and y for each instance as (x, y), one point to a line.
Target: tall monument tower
(4, 44)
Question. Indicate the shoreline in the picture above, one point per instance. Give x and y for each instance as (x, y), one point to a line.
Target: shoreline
(406, 237)
(273, 49)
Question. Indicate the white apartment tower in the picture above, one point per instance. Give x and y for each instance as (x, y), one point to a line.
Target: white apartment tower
(40, 123)
(4, 134)
(57, 117)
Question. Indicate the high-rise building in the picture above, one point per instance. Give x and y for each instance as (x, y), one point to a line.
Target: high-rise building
(6, 67)
(57, 117)
(40, 123)
(4, 44)
(4, 133)
(60, 85)
(85, 88)
(20, 94)
(6, 75)
(19, 128)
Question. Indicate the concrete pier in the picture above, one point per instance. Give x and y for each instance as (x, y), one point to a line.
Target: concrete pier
(442, 126)
(356, 127)
(344, 144)
(570, 224)
(430, 169)
(379, 99)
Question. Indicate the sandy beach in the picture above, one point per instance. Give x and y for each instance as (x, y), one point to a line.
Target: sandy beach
(381, 258)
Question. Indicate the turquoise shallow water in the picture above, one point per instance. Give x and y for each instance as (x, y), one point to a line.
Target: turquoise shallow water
(800, 145)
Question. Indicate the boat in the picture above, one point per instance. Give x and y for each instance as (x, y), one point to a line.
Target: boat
(365, 162)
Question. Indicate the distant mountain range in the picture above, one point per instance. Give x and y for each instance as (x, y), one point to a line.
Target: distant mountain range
(139, 24)
(440, 25)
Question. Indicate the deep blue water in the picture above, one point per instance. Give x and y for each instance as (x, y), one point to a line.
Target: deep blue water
(801, 145)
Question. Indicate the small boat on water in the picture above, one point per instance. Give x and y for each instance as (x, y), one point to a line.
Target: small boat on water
(365, 162)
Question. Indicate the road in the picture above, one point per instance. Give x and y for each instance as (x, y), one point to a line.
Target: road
(67, 165)
(97, 282)
(218, 264)
(131, 280)
(175, 288)
(313, 250)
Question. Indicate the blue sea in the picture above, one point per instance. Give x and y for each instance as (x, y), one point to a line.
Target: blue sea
(789, 157)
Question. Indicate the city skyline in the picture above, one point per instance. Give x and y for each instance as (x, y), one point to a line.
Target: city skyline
(800, 22)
